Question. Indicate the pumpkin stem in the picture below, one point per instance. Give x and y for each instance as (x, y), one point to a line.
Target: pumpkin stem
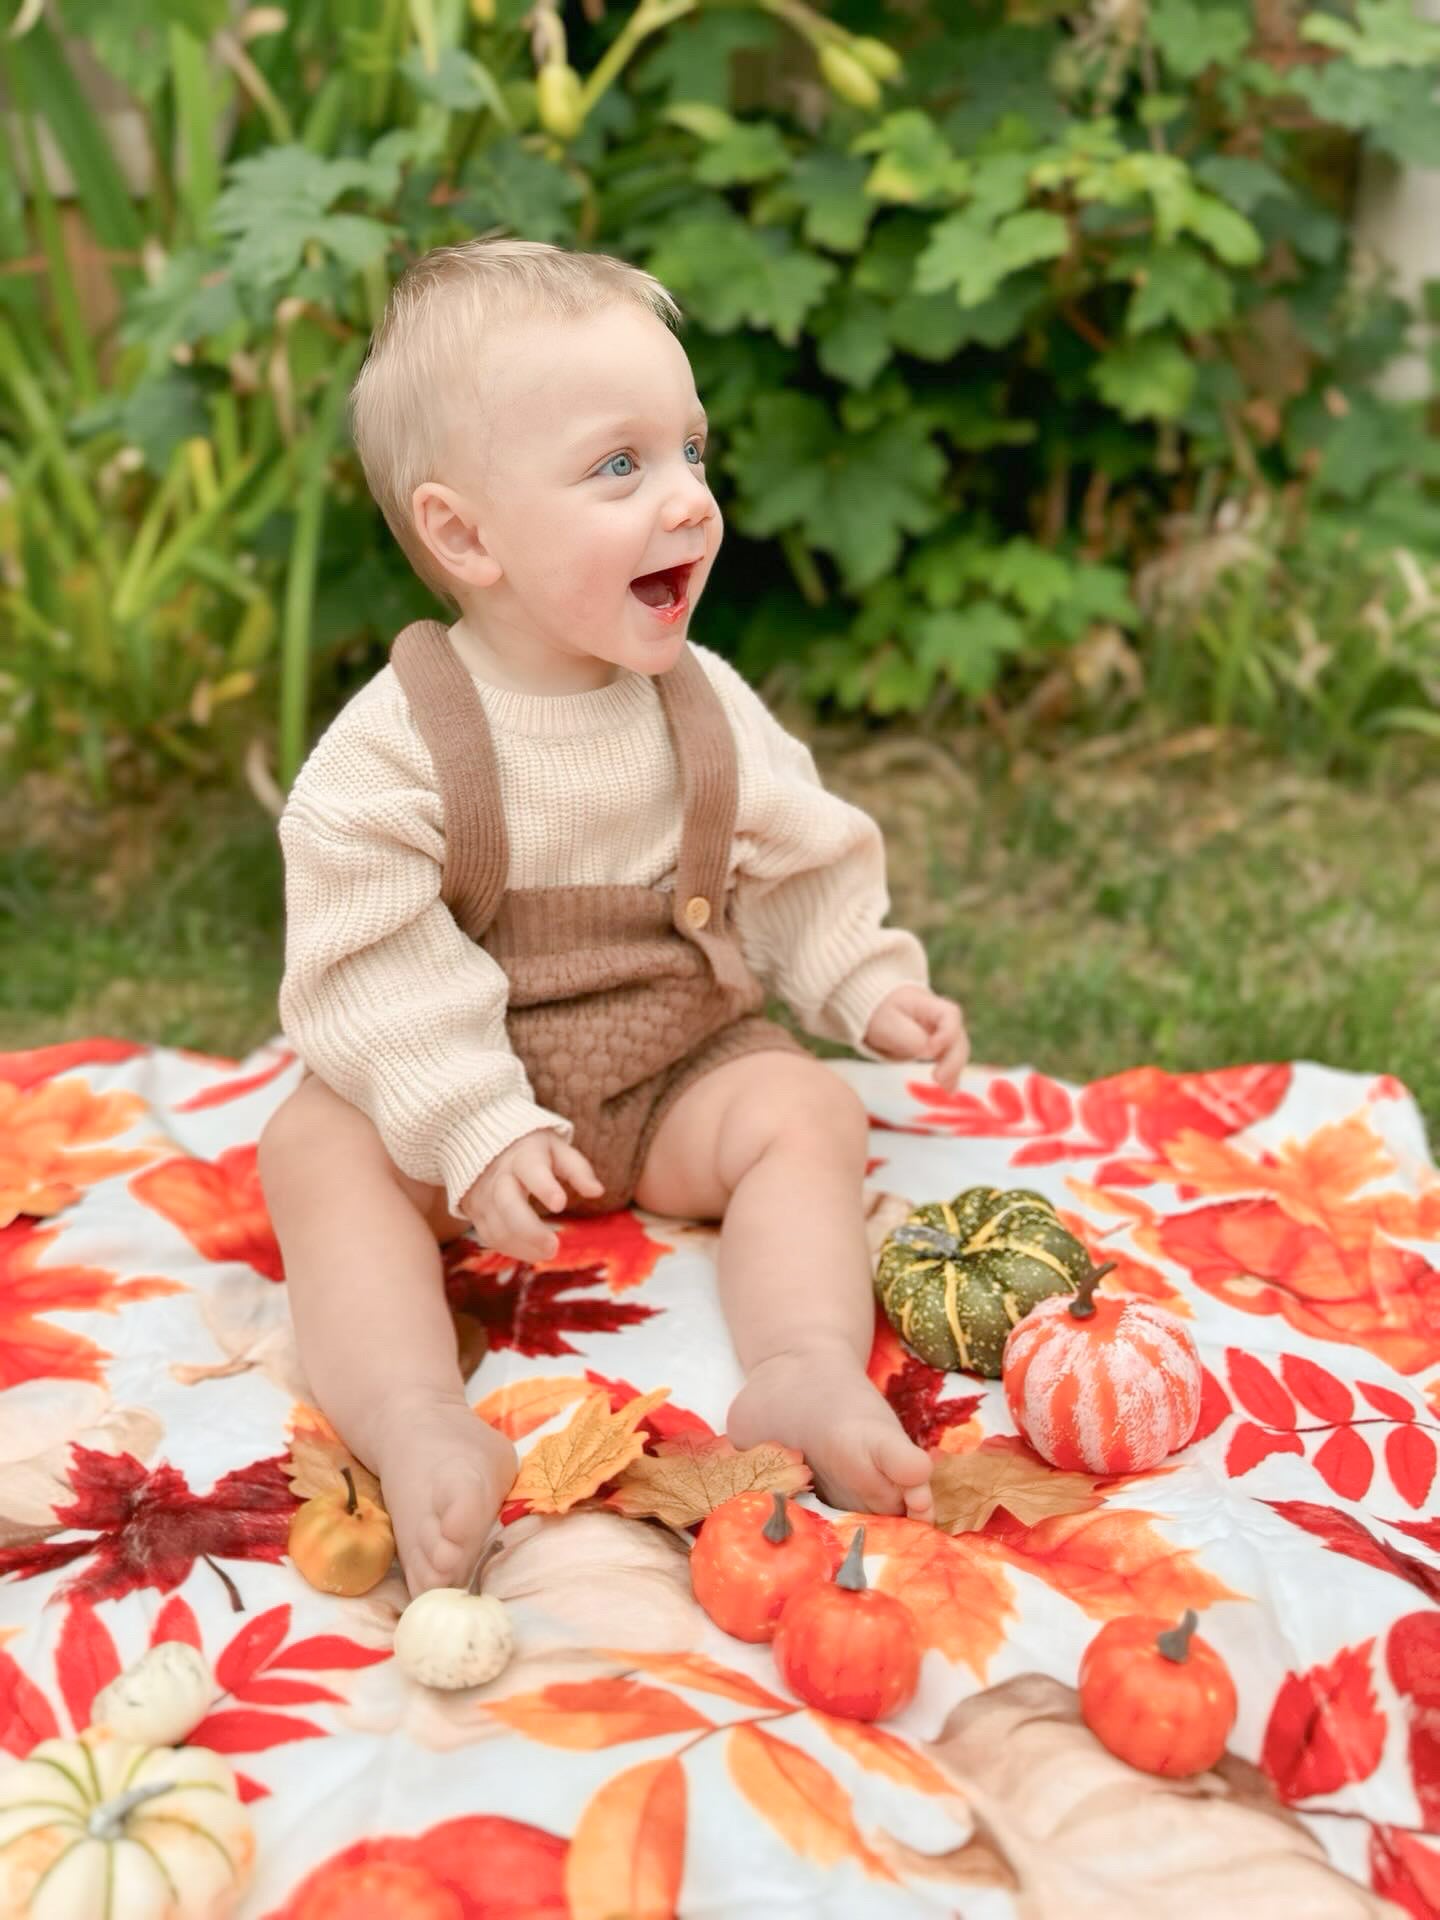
(349, 1489)
(777, 1528)
(852, 1573)
(473, 1586)
(1175, 1645)
(107, 1822)
(1082, 1307)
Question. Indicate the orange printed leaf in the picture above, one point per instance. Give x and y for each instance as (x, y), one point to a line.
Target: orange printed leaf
(628, 1851)
(34, 1349)
(882, 1752)
(961, 1599)
(697, 1671)
(569, 1466)
(968, 1487)
(585, 1714)
(688, 1477)
(522, 1406)
(798, 1799)
(43, 1131)
(1108, 1563)
(316, 1456)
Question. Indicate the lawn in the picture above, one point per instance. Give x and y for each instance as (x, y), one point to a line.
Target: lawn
(1184, 904)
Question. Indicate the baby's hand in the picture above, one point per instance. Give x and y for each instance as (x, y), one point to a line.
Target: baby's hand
(911, 1023)
(499, 1204)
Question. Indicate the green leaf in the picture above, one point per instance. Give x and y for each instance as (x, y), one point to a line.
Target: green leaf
(1395, 106)
(194, 299)
(1224, 231)
(1243, 182)
(1178, 283)
(1386, 33)
(1192, 34)
(161, 413)
(851, 495)
(750, 151)
(831, 188)
(1036, 579)
(969, 645)
(276, 204)
(943, 570)
(507, 185)
(974, 259)
(733, 275)
(1147, 380)
(692, 60)
(460, 82)
(856, 344)
(916, 160)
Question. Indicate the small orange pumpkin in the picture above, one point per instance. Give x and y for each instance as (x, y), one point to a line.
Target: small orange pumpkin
(1156, 1696)
(846, 1648)
(342, 1545)
(1102, 1386)
(742, 1571)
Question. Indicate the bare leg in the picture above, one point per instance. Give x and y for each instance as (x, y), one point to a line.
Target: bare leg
(777, 1145)
(375, 1337)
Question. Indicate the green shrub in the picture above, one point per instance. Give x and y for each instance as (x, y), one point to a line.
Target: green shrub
(981, 300)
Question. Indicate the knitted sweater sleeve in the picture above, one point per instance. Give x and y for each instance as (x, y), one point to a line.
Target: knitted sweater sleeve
(383, 996)
(811, 893)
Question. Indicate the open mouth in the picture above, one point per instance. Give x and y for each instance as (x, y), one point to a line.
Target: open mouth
(664, 592)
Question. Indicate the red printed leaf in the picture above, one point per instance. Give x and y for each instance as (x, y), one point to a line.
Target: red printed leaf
(243, 1730)
(325, 1650)
(1412, 1655)
(1005, 1101)
(1039, 1153)
(1427, 1532)
(264, 1691)
(1316, 1389)
(247, 1789)
(1251, 1444)
(915, 1392)
(1393, 1405)
(1258, 1391)
(530, 1310)
(1344, 1535)
(1050, 1104)
(1405, 1870)
(1325, 1727)
(26, 1716)
(251, 1647)
(1345, 1464)
(1104, 1114)
(1410, 1456)
(1214, 1406)
(85, 1660)
(176, 1621)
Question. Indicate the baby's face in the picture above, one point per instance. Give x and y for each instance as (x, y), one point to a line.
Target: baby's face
(590, 491)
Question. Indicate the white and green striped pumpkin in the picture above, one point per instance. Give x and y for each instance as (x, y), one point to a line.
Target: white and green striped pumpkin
(959, 1274)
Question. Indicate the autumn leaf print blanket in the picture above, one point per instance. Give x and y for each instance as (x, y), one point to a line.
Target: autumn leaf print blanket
(633, 1759)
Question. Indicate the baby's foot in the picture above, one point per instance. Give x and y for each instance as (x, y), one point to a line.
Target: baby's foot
(822, 1403)
(444, 1475)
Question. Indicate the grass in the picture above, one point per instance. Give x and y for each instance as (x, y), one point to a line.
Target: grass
(1120, 906)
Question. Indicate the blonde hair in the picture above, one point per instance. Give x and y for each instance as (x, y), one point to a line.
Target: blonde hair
(423, 354)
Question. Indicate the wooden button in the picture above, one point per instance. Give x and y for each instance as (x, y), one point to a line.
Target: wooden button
(697, 911)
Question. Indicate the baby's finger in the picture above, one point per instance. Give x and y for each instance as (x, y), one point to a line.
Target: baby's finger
(575, 1168)
(524, 1233)
(944, 1025)
(956, 1057)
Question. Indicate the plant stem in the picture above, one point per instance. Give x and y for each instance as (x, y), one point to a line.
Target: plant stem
(1082, 1306)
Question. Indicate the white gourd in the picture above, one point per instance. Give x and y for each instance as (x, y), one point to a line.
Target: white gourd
(159, 1700)
(101, 1828)
(449, 1638)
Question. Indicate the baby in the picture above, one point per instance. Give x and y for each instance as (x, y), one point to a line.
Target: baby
(540, 873)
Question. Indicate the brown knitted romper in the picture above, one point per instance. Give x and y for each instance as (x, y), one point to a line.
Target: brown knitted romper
(621, 997)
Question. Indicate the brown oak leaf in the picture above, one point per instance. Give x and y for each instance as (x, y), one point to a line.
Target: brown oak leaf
(567, 1467)
(686, 1478)
(968, 1487)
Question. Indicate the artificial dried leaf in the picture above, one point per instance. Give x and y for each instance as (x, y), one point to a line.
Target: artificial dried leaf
(968, 1487)
(569, 1466)
(317, 1454)
(686, 1478)
(521, 1406)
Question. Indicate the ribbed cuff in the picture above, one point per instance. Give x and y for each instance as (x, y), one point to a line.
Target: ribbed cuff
(467, 1150)
(852, 1005)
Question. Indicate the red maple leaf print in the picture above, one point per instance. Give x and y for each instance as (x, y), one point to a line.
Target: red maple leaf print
(527, 1310)
(1325, 1727)
(913, 1388)
(1412, 1655)
(1405, 1870)
(217, 1205)
(147, 1529)
(1342, 1534)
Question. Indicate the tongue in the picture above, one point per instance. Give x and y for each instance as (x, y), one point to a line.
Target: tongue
(655, 589)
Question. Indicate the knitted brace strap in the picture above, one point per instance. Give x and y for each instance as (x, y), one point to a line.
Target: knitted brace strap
(705, 748)
(451, 717)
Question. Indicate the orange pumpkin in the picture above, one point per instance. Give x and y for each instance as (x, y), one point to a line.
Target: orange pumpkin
(342, 1543)
(1102, 1386)
(847, 1649)
(751, 1556)
(1157, 1697)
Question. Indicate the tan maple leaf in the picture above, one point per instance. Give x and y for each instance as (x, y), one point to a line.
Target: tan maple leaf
(687, 1477)
(567, 1467)
(317, 1454)
(968, 1487)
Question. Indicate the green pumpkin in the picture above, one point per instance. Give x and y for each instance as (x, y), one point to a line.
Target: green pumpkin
(958, 1275)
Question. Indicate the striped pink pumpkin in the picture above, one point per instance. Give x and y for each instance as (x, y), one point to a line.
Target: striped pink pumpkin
(1113, 1392)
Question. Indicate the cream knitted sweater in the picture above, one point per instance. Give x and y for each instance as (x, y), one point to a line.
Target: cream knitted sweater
(389, 1003)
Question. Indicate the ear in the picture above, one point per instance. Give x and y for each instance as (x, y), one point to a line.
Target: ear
(448, 523)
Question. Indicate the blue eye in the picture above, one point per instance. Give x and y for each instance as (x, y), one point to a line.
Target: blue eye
(699, 447)
(605, 468)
